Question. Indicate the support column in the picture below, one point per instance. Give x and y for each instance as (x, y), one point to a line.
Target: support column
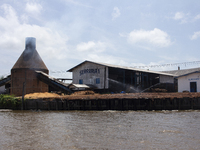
(124, 75)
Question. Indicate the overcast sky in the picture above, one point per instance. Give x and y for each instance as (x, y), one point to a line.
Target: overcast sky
(127, 33)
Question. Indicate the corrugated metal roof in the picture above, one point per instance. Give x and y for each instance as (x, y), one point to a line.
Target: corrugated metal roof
(5, 80)
(79, 86)
(46, 75)
(183, 72)
(52, 81)
(121, 67)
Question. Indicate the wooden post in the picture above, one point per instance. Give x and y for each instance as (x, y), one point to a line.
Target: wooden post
(110, 104)
(22, 105)
(64, 103)
(48, 105)
(121, 105)
(135, 104)
(56, 104)
(99, 104)
(25, 105)
(36, 103)
(107, 104)
(162, 104)
(139, 107)
(83, 104)
(68, 105)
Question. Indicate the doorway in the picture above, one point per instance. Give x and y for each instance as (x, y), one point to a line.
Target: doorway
(193, 87)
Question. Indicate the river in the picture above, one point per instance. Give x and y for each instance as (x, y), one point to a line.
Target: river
(101, 130)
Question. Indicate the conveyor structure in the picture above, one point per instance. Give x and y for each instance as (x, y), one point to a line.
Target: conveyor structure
(53, 82)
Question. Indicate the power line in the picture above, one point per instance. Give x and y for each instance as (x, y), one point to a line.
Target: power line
(149, 66)
(169, 65)
(58, 71)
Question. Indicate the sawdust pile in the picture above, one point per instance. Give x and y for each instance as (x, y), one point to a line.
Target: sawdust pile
(41, 95)
(134, 96)
(93, 95)
(83, 93)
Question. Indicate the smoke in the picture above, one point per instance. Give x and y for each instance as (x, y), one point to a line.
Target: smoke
(30, 43)
(29, 48)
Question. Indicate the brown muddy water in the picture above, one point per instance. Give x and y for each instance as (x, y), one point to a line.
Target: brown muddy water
(106, 130)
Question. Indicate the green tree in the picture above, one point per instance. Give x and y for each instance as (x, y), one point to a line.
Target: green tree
(2, 77)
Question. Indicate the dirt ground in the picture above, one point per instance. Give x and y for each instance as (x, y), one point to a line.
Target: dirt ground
(92, 95)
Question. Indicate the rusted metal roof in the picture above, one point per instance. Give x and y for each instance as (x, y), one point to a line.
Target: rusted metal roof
(30, 57)
(32, 60)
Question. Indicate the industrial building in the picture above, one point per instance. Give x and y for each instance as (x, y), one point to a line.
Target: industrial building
(30, 74)
(23, 72)
(113, 78)
(188, 79)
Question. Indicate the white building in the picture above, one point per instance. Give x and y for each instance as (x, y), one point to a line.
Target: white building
(188, 79)
(189, 82)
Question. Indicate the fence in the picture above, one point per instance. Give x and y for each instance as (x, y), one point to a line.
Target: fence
(111, 104)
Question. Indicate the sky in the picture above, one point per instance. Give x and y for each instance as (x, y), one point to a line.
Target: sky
(127, 33)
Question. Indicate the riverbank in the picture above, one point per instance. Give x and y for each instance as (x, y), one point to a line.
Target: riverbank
(129, 101)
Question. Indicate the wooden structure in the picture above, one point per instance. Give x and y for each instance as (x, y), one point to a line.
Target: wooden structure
(24, 71)
(185, 103)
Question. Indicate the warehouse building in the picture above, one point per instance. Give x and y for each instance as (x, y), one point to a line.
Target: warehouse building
(188, 79)
(112, 78)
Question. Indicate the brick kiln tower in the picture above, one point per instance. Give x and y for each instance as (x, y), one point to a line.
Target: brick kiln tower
(24, 71)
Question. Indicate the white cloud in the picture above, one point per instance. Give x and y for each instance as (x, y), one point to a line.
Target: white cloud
(78, 3)
(33, 8)
(179, 15)
(116, 13)
(92, 46)
(197, 17)
(85, 46)
(9, 15)
(195, 35)
(156, 37)
(50, 44)
(185, 17)
(109, 59)
(24, 18)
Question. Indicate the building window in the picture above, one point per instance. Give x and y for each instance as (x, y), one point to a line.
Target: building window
(80, 81)
(193, 87)
(97, 80)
